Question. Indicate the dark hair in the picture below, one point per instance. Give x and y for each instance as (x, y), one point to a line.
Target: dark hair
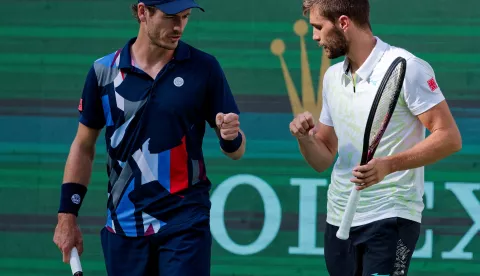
(357, 10)
(134, 8)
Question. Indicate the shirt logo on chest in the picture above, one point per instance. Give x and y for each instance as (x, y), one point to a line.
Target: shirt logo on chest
(178, 82)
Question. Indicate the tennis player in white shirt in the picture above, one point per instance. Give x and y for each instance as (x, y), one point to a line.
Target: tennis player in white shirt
(386, 225)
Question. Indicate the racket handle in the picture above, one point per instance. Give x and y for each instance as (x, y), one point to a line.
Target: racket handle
(75, 264)
(344, 229)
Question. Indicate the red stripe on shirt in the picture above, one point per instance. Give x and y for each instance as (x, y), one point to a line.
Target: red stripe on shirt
(179, 168)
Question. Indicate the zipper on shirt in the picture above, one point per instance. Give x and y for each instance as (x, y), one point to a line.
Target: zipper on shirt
(351, 77)
(354, 83)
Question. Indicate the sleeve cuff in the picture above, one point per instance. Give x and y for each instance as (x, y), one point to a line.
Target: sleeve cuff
(427, 106)
(88, 123)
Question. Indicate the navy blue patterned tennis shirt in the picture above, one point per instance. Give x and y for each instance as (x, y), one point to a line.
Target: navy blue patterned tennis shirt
(154, 131)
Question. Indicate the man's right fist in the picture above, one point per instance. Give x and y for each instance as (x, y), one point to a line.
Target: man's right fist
(303, 125)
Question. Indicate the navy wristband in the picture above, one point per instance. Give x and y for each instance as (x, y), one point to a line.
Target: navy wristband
(231, 145)
(71, 198)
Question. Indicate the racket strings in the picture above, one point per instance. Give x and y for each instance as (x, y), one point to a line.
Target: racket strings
(386, 105)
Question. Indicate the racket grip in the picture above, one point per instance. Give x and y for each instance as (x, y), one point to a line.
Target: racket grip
(75, 264)
(344, 229)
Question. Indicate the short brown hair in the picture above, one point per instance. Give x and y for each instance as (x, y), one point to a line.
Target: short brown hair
(134, 8)
(357, 10)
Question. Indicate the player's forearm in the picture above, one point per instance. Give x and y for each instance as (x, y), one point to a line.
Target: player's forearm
(438, 145)
(78, 168)
(316, 153)
(240, 151)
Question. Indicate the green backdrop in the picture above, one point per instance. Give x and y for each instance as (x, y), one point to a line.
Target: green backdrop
(269, 208)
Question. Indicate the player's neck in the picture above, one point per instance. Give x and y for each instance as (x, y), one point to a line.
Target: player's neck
(360, 48)
(148, 56)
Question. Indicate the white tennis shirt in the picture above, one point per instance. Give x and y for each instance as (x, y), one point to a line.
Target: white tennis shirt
(400, 194)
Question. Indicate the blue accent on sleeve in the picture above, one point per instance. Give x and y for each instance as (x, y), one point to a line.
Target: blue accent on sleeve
(107, 60)
(91, 114)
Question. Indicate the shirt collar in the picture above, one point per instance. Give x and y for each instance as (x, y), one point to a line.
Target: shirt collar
(367, 67)
(182, 52)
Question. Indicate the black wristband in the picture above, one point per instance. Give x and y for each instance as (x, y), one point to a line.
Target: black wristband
(231, 145)
(71, 198)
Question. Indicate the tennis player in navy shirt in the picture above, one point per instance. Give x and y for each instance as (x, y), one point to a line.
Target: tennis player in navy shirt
(154, 97)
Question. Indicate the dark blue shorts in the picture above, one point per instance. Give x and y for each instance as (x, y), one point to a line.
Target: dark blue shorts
(176, 250)
(382, 248)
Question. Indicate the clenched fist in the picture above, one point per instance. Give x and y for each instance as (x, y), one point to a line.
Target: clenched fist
(228, 124)
(303, 125)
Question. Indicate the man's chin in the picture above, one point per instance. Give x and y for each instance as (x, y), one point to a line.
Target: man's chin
(172, 46)
(168, 46)
(333, 55)
(329, 56)
(328, 53)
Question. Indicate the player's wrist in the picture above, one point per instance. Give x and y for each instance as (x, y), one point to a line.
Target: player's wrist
(231, 145)
(306, 139)
(71, 198)
(66, 217)
(389, 164)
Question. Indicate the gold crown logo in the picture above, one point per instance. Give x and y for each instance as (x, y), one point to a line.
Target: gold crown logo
(308, 102)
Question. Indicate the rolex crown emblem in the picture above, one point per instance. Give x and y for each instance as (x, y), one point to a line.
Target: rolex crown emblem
(309, 101)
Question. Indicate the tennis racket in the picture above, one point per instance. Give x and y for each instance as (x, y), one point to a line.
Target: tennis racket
(380, 113)
(75, 263)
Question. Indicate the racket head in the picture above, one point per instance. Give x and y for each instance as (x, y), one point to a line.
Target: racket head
(383, 107)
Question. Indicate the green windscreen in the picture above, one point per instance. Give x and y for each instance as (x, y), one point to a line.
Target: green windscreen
(268, 214)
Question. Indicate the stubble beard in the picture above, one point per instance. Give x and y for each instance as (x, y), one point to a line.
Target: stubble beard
(337, 45)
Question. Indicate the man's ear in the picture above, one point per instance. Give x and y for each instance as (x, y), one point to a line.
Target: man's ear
(344, 22)
(142, 12)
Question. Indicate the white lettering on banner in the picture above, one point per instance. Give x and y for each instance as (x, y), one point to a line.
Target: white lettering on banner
(426, 252)
(464, 193)
(307, 216)
(273, 214)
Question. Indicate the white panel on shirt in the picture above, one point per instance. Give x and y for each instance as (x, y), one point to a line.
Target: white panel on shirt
(325, 113)
(399, 194)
